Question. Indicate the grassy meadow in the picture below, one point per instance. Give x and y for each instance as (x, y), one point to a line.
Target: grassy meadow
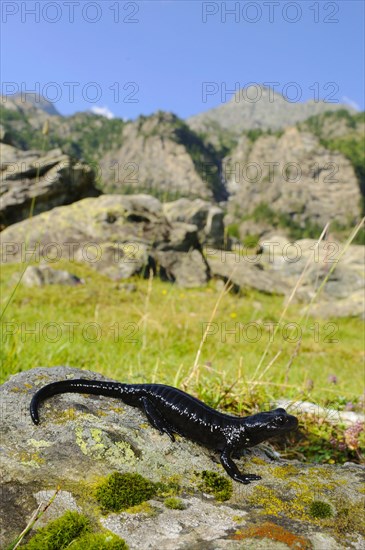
(154, 333)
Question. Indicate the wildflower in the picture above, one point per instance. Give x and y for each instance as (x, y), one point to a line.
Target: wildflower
(352, 435)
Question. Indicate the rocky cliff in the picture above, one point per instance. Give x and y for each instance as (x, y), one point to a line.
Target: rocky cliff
(294, 175)
(162, 156)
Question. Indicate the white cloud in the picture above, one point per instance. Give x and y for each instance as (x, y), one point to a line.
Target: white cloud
(103, 111)
(351, 103)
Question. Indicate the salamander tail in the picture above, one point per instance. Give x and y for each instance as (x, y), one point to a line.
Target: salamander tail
(96, 387)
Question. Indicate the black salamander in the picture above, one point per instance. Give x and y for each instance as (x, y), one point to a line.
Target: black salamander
(171, 410)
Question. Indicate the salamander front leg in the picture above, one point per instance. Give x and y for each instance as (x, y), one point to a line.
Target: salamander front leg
(232, 470)
(155, 418)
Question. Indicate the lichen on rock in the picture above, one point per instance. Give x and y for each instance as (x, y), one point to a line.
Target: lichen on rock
(83, 440)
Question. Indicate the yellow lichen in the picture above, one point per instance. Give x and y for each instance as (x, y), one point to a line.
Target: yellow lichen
(65, 416)
(31, 459)
(259, 461)
(39, 444)
(282, 472)
(80, 441)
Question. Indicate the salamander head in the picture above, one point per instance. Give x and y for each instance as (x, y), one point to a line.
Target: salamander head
(264, 425)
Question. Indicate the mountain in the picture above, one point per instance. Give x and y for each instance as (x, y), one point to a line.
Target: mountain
(270, 111)
(30, 103)
(169, 158)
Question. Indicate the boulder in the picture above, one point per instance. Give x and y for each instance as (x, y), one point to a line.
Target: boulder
(44, 275)
(83, 438)
(243, 272)
(343, 294)
(279, 264)
(38, 180)
(208, 218)
(186, 269)
(118, 235)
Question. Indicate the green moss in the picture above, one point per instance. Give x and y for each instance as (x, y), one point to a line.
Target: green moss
(219, 486)
(121, 491)
(143, 508)
(169, 487)
(251, 240)
(320, 510)
(58, 534)
(99, 541)
(174, 503)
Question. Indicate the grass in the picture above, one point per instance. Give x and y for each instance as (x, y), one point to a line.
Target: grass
(154, 334)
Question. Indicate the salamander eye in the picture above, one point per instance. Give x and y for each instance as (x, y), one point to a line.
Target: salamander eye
(280, 420)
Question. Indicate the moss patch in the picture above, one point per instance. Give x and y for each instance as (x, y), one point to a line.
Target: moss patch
(174, 503)
(58, 534)
(319, 509)
(169, 487)
(121, 491)
(99, 541)
(219, 486)
(143, 508)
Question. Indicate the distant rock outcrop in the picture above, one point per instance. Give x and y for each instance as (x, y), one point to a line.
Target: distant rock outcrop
(295, 176)
(162, 156)
(40, 181)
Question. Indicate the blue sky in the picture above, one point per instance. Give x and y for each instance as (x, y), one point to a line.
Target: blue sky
(134, 58)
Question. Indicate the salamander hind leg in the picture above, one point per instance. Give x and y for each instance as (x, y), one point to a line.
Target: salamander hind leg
(232, 469)
(155, 418)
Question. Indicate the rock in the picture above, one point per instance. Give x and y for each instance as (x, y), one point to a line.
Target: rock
(186, 269)
(5, 136)
(207, 217)
(293, 176)
(279, 264)
(243, 272)
(81, 439)
(118, 235)
(352, 306)
(42, 179)
(117, 261)
(45, 275)
(162, 156)
(331, 415)
(342, 294)
(254, 230)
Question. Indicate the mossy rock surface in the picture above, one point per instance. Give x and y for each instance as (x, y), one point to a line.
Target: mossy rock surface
(82, 440)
